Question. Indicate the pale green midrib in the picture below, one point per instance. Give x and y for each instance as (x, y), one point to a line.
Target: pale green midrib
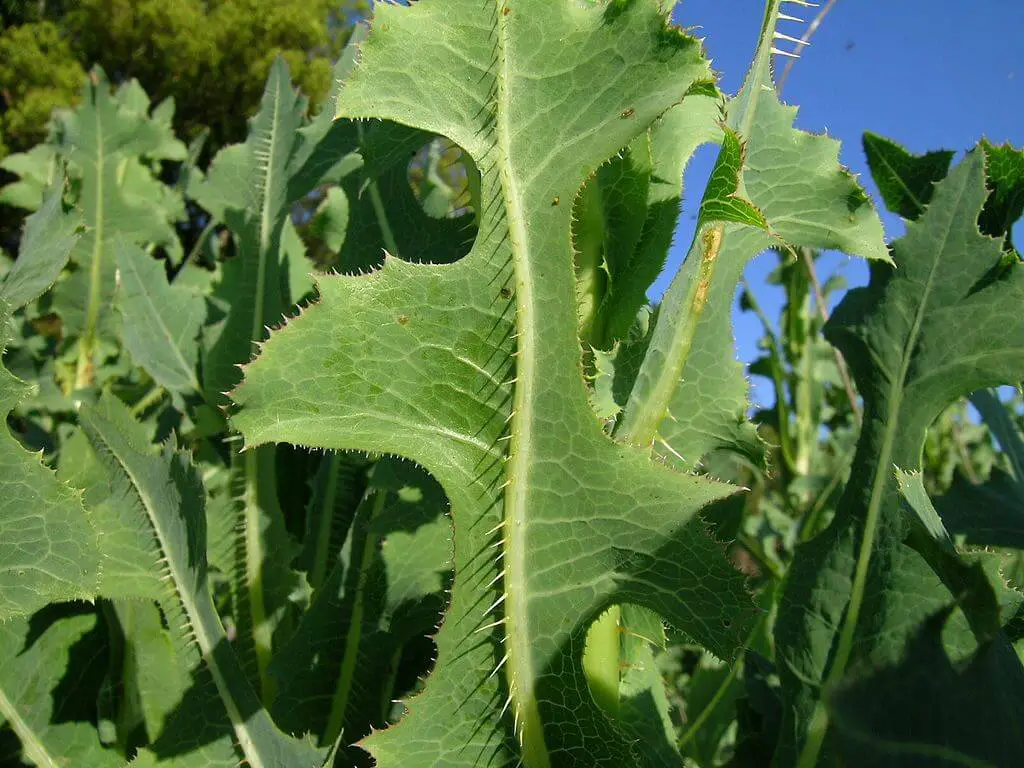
(647, 407)
(255, 551)
(819, 720)
(171, 341)
(31, 743)
(762, 62)
(82, 369)
(339, 702)
(202, 616)
(265, 218)
(519, 670)
(645, 410)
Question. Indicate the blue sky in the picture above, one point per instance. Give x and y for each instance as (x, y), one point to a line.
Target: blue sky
(931, 74)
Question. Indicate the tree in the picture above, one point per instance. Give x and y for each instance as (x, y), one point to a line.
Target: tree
(212, 56)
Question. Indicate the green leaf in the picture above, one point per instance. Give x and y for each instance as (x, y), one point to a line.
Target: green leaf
(49, 237)
(384, 592)
(626, 217)
(100, 140)
(905, 180)
(415, 359)
(931, 710)
(251, 187)
(161, 321)
(918, 337)
(772, 185)
(166, 491)
(1004, 171)
(49, 545)
(37, 169)
(44, 686)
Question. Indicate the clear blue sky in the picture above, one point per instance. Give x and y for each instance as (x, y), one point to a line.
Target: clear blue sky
(931, 74)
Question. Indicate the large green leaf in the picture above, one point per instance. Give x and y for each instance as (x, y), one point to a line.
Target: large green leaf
(161, 321)
(167, 496)
(103, 140)
(49, 546)
(772, 185)
(252, 187)
(45, 694)
(930, 710)
(937, 327)
(416, 359)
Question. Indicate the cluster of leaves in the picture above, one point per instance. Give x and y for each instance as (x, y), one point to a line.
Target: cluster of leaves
(470, 504)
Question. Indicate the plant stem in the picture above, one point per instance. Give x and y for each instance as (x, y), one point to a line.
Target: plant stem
(819, 300)
(804, 42)
(151, 398)
(323, 534)
(339, 703)
(379, 211)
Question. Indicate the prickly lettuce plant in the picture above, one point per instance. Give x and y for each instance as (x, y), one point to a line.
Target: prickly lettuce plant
(473, 501)
(474, 369)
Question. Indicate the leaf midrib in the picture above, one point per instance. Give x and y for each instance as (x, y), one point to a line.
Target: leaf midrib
(880, 475)
(165, 330)
(519, 670)
(31, 744)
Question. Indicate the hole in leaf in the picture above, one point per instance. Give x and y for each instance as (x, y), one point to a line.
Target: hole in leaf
(439, 175)
(620, 660)
(366, 639)
(411, 197)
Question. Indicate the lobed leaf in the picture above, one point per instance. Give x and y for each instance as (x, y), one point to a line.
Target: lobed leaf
(49, 545)
(415, 359)
(772, 185)
(919, 336)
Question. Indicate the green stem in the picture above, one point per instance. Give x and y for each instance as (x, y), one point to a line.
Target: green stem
(778, 381)
(709, 710)
(811, 522)
(151, 398)
(326, 521)
(379, 211)
(259, 461)
(722, 690)
(339, 703)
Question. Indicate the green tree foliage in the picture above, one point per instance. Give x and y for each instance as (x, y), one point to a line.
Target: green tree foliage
(211, 56)
(38, 73)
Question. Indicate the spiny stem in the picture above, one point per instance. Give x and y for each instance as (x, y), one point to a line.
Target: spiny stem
(257, 493)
